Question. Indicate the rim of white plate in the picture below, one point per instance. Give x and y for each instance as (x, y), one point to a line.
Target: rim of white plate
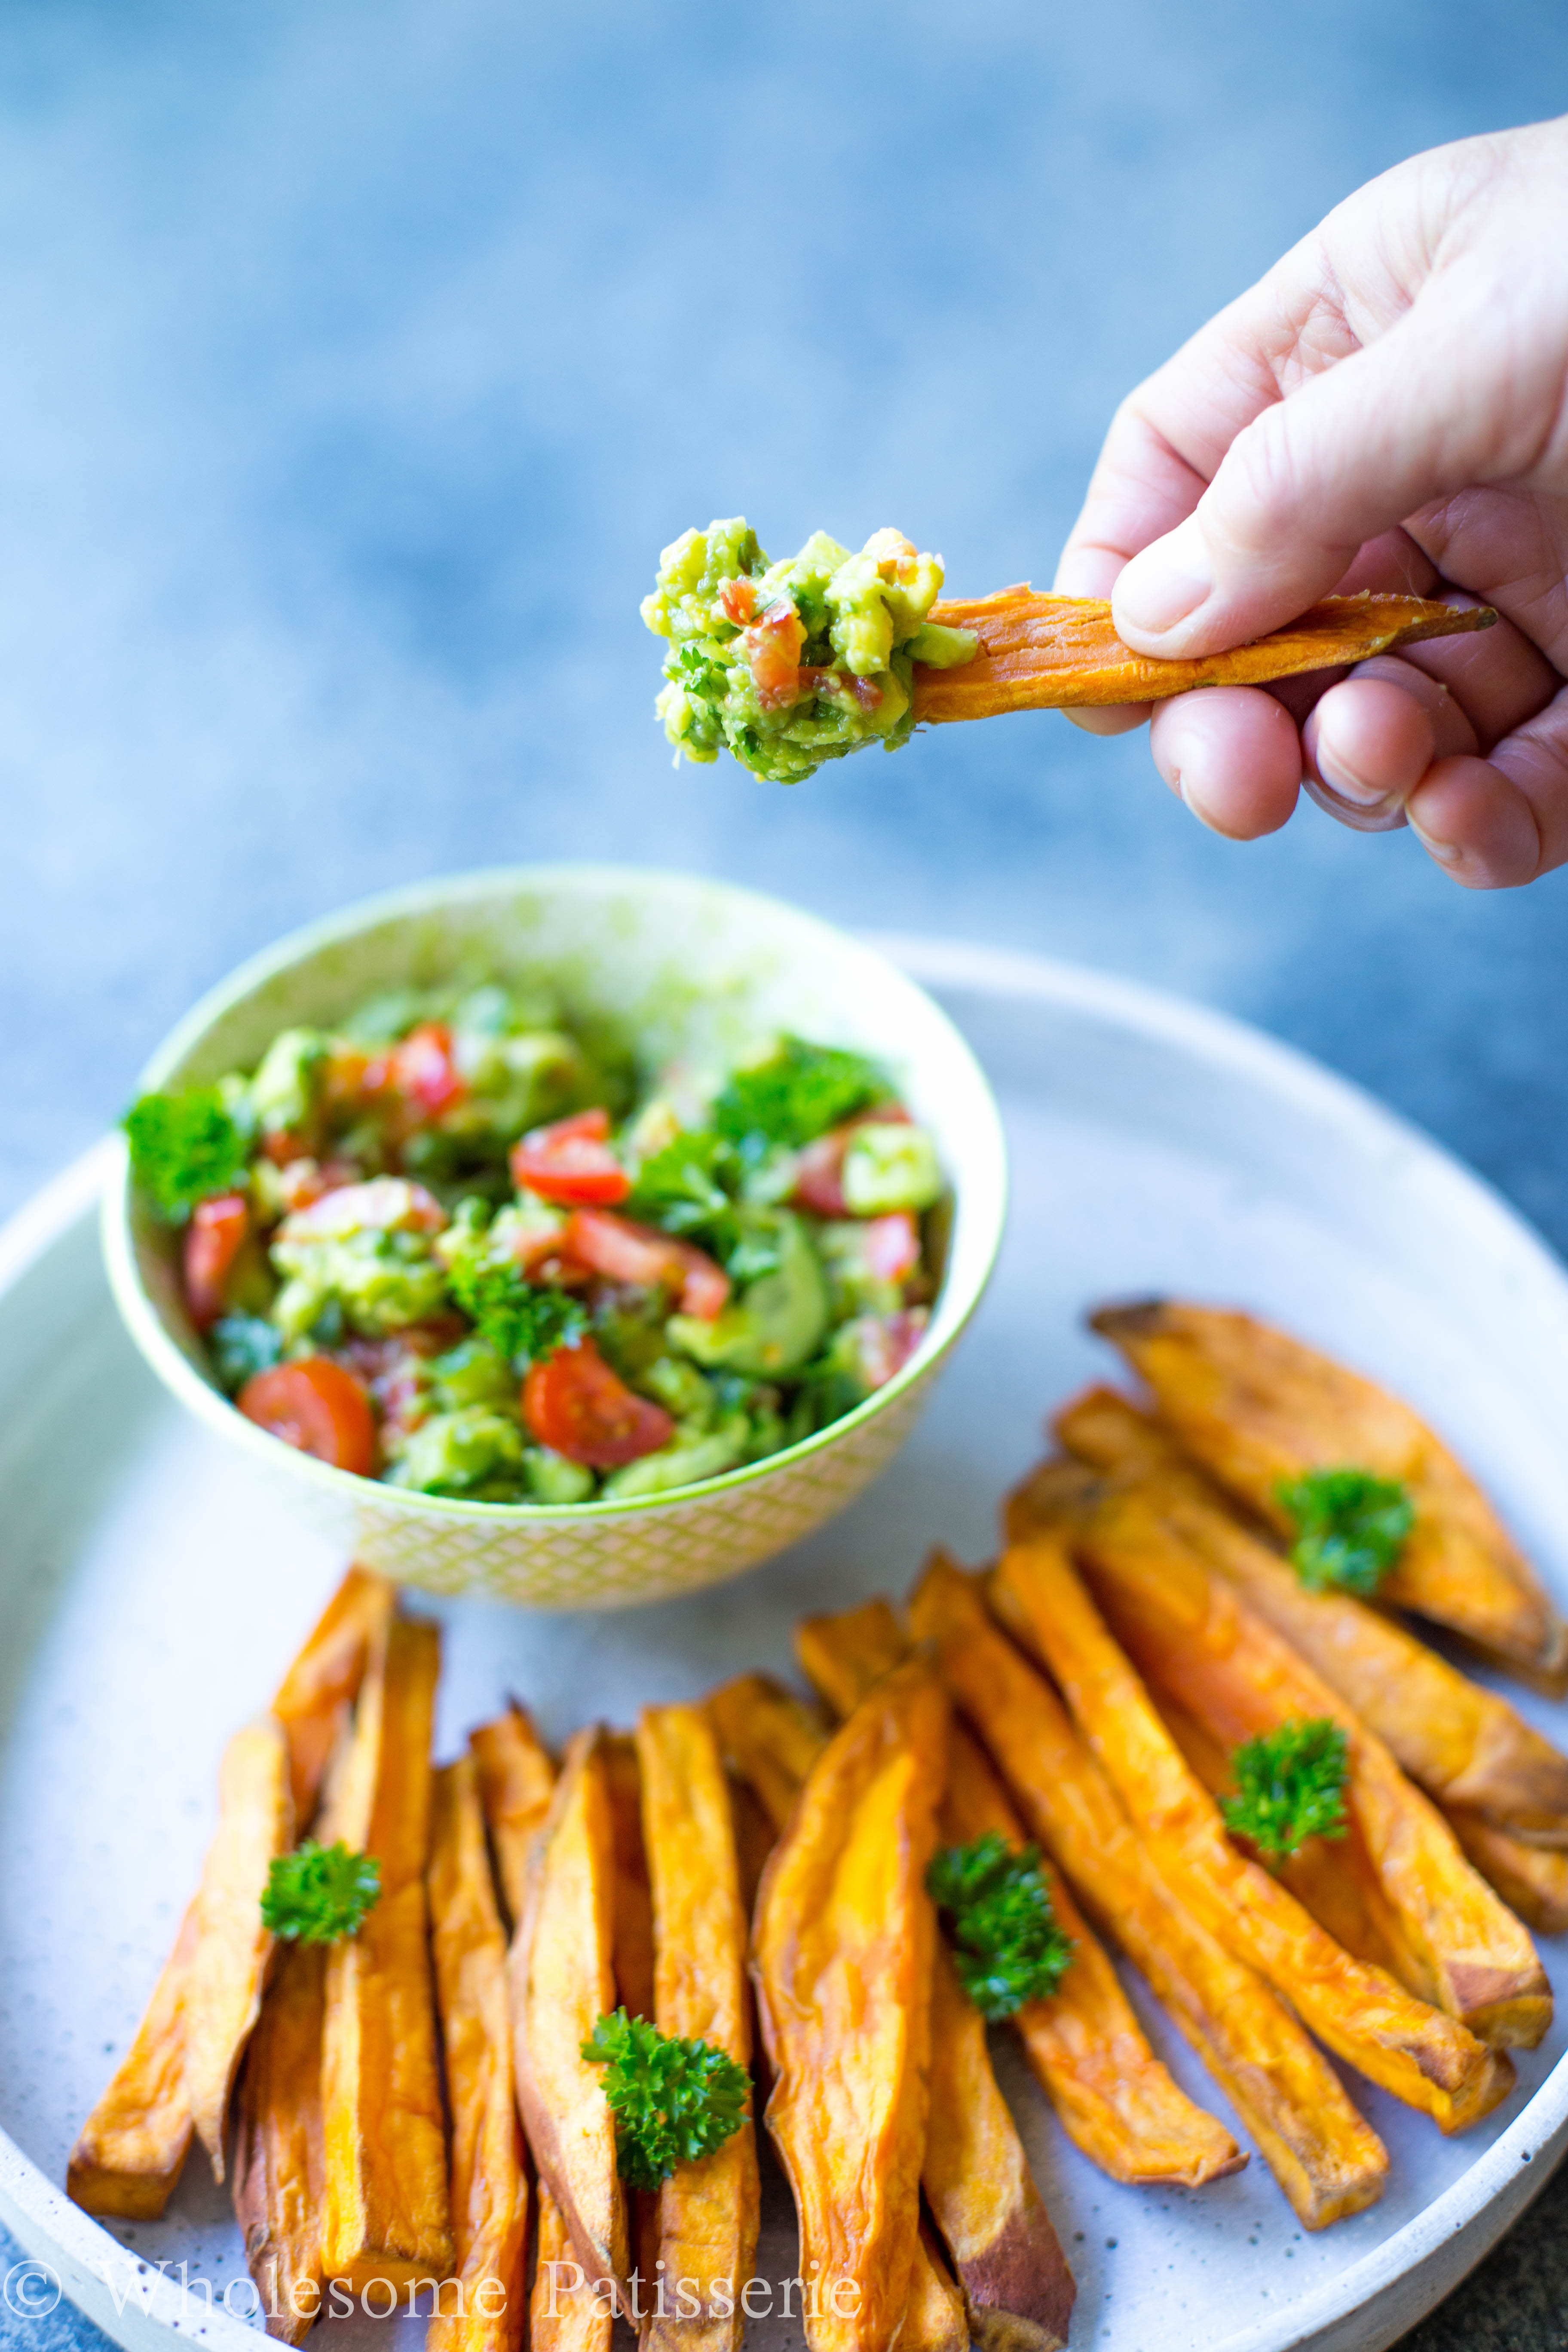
(42, 2217)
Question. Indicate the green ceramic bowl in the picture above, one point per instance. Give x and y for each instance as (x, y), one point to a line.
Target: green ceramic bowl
(691, 967)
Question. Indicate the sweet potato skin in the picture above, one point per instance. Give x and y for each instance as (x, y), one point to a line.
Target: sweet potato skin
(842, 1958)
(1326, 2159)
(1058, 652)
(488, 2185)
(632, 1945)
(708, 2213)
(561, 1978)
(223, 2000)
(280, 2147)
(388, 2207)
(317, 1694)
(1196, 1644)
(1428, 2059)
(132, 2149)
(768, 1737)
(517, 1780)
(1256, 1407)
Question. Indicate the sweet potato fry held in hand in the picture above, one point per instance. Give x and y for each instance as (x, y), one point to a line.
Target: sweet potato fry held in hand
(561, 1980)
(488, 2184)
(1018, 2291)
(1040, 652)
(1428, 2060)
(1197, 1644)
(842, 1960)
(1326, 2159)
(387, 2213)
(1260, 1410)
(707, 2211)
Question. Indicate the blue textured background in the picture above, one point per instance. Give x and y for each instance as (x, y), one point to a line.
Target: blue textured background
(357, 359)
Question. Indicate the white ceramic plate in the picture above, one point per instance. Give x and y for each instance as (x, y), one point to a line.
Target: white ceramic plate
(150, 1596)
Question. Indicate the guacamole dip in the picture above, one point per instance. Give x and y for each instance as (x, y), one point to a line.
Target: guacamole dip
(794, 663)
(456, 1242)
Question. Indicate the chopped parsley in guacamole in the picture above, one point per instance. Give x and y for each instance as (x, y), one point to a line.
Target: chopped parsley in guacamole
(459, 1243)
(794, 663)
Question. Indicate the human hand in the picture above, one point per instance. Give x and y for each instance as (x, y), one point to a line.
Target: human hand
(1386, 409)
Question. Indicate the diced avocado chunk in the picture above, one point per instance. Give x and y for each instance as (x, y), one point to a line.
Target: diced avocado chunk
(380, 1282)
(551, 1478)
(776, 1322)
(681, 1462)
(453, 1453)
(889, 1166)
(283, 1091)
(940, 647)
(472, 1373)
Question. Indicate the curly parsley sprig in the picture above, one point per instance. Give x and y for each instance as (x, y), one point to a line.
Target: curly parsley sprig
(795, 1096)
(1006, 1946)
(184, 1148)
(318, 1894)
(522, 1321)
(1290, 1787)
(673, 2101)
(1351, 1526)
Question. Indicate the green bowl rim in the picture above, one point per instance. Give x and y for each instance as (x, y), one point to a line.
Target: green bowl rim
(174, 1369)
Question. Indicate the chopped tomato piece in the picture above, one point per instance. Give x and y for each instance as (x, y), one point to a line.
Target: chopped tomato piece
(422, 1068)
(214, 1237)
(886, 1343)
(576, 1405)
(772, 647)
(892, 1246)
(318, 1407)
(738, 601)
(623, 1251)
(819, 1180)
(571, 1161)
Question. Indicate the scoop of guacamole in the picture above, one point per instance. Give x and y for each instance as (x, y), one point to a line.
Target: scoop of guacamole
(794, 663)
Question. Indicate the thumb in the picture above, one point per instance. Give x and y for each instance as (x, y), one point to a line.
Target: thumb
(1409, 419)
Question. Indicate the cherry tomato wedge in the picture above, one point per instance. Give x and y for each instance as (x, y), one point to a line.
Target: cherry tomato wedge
(423, 1069)
(623, 1251)
(571, 1161)
(214, 1237)
(318, 1407)
(892, 1246)
(819, 1180)
(576, 1405)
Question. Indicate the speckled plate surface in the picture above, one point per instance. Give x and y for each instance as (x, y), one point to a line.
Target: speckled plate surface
(149, 1595)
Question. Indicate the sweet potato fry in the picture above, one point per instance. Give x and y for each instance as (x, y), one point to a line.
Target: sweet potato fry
(754, 1837)
(319, 1690)
(1424, 2057)
(561, 1977)
(387, 2210)
(130, 2152)
(768, 1737)
(1197, 1644)
(1256, 1408)
(1533, 1880)
(1087, 2049)
(708, 2211)
(280, 2148)
(1057, 653)
(842, 1963)
(935, 2319)
(488, 2185)
(568, 2311)
(223, 2000)
(633, 1940)
(1326, 2159)
(517, 1780)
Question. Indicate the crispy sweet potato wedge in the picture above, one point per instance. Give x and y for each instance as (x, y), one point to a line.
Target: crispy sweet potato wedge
(388, 2207)
(568, 2310)
(561, 1976)
(707, 2212)
(633, 1941)
(517, 1780)
(1424, 2057)
(130, 2152)
(223, 2001)
(1256, 1408)
(935, 2319)
(1114, 2098)
(768, 1737)
(842, 1962)
(1197, 1644)
(1324, 2157)
(280, 2147)
(754, 1837)
(1057, 653)
(319, 1690)
(1533, 1880)
(488, 2184)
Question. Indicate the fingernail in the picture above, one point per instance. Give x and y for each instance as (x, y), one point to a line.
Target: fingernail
(1166, 583)
(1343, 780)
(1447, 852)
